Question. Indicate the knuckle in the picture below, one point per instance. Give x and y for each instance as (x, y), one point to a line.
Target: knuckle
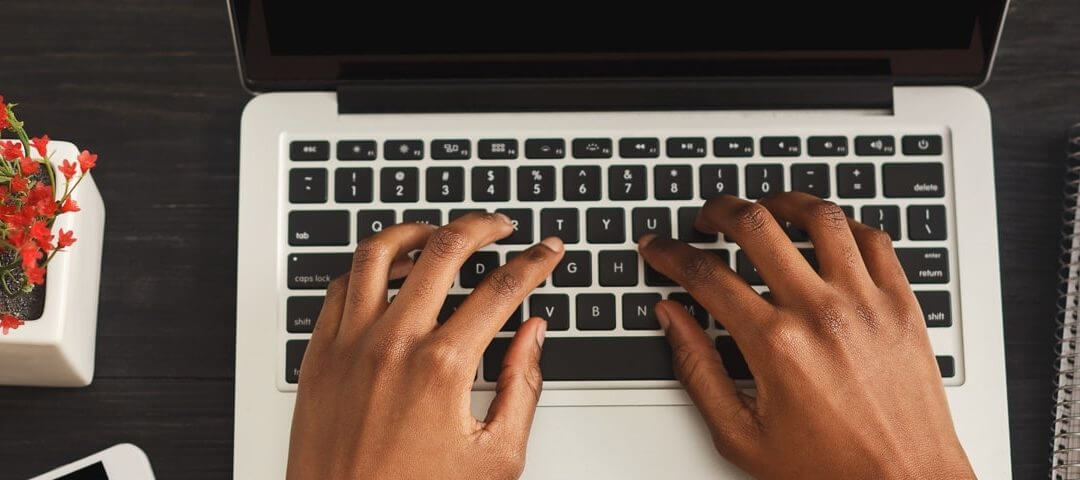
(878, 238)
(443, 358)
(828, 215)
(447, 242)
(784, 337)
(702, 270)
(827, 318)
(386, 351)
(368, 250)
(750, 218)
(503, 282)
(337, 286)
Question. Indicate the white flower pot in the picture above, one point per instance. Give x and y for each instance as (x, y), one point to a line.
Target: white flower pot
(57, 350)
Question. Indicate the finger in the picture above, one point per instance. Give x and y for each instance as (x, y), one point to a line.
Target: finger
(510, 415)
(701, 371)
(365, 298)
(326, 325)
(486, 309)
(708, 279)
(750, 224)
(827, 225)
(438, 265)
(878, 254)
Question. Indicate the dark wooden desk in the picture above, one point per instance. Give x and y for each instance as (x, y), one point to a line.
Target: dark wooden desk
(153, 87)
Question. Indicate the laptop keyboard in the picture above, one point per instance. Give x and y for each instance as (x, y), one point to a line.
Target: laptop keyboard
(600, 194)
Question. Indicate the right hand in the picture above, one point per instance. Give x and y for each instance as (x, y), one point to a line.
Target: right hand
(847, 385)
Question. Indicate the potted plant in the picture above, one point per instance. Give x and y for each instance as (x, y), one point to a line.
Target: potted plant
(49, 278)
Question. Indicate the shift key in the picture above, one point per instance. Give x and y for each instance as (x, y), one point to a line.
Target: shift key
(925, 265)
(315, 270)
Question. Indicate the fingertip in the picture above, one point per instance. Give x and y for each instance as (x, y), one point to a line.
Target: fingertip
(541, 332)
(553, 243)
(645, 240)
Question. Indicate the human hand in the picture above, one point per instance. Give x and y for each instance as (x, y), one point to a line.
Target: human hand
(847, 384)
(384, 390)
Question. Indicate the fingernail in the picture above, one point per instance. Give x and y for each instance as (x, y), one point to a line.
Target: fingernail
(645, 239)
(662, 316)
(505, 219)
(553, 243)
(541, 331)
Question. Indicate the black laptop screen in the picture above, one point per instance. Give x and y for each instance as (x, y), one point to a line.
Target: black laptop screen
(323, 43)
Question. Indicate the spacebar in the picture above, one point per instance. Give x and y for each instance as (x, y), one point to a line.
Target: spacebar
(593, 358)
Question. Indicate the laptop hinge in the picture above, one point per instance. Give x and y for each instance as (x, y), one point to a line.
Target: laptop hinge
(742, 93)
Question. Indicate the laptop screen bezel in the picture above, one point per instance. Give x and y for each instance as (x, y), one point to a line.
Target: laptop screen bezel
(260, 71)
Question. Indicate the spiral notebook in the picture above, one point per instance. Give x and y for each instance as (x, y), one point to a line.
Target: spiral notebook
(1066, 442)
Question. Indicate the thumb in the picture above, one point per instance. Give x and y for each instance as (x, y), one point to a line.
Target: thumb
(520, 382)
(698, 366)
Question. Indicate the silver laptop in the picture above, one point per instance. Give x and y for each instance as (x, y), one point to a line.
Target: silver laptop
(600, 126)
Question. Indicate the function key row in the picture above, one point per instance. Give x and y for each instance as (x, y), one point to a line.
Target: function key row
(643, 147)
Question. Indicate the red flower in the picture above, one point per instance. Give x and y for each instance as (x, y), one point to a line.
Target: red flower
(69, 206)
(46, 207)
(65, 239)
(87, 160)
(41, 144)
(68, 169)
(8, 321)
(35, 275)
(19, 184)
(41, 234)
(28, 165)
(30, 254)
(3, 125)
(11, 150)
(40, 192)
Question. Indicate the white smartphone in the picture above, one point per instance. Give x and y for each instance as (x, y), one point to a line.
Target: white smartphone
(119, 462)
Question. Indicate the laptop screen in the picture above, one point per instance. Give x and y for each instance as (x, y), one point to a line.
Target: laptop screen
(320, 44)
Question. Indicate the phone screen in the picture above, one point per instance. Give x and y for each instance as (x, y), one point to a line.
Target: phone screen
(90, 472)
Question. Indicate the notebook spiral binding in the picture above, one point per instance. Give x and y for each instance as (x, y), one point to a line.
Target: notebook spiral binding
(1065, 463)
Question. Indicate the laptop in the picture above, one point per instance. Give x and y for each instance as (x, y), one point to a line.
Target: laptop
(600, 124)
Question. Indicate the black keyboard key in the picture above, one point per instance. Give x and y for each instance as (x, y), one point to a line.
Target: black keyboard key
(399, 185)
(315, 270)
(574, 270)
(733, 146)
(692, 307)
(780, 146)
(882, 217)
(445, 184)
(553, 307)
(593, 358)
(545, 148)
(936, 308)
(925, 265)
(430, 217)
(827, 146)
(522, 220)
(309, 150)
(461, 212)
(875, 145)
(403, 149)
(357, 150)
(502, 149)
(687, 232)
(319, 227)
(536, 184)
(370, 222)
(795, 234)
(673, 182)
(811, 258)
(855, 180)
(301, 313)
(913, 180)
(947, 366)
(655, 220)
(451, 149)
(639, 147)
(559, 222)
(746, 269)
(513, 322)
(812, 178)
(618, 268)
(921, 144)
(294, 354)
(581, 183)
(353, 185)
(639, 311)
(605, 225)
(686, 147)
(926, 222)
(592, 148)
(449, 306)
(654, 278)
(627, 182)
(718, 180)
(491, 184)
(733, 359)
(307, 185)
(762, 180)
(478, 266)
(595, 311)
(848, 210)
